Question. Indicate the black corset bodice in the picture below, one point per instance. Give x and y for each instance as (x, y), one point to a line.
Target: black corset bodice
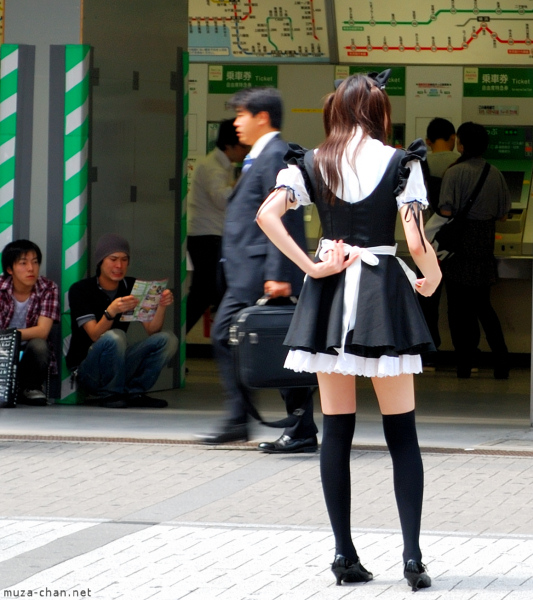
(369, 222)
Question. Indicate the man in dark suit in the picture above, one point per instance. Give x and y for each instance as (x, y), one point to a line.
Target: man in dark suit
(253, 267)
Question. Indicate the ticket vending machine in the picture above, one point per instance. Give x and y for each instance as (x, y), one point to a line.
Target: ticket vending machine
(511, 151)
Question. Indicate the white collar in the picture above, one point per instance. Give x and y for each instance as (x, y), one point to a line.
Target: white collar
(259, 146)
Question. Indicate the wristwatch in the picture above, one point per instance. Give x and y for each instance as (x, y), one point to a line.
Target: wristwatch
(108, 316)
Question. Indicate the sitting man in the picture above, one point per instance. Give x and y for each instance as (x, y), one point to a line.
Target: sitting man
(29, 303)
(118, 374)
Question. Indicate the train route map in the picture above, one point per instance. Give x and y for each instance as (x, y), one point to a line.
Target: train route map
(462, 32)
(258, 30)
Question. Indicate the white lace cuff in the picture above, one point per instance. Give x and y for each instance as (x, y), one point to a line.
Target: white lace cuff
(292, 177)
(415, 189)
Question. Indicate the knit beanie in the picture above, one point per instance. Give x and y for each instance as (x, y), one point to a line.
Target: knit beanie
(109, 243)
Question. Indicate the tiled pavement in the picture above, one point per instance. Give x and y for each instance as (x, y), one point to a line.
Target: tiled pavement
(139, 521)
(174, 520)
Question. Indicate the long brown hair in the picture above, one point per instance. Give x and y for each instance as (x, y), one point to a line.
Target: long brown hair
(358, 101)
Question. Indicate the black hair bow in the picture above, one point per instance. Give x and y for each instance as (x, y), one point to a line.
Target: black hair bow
(380, 79)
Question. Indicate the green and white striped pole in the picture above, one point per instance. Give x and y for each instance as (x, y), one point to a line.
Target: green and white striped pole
(75, 184)
(9, 65)
(17, 71)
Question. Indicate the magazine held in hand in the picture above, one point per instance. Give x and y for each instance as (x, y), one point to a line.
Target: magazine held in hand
(148, 293)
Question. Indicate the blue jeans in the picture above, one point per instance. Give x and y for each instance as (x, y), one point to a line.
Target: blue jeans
(113, 367)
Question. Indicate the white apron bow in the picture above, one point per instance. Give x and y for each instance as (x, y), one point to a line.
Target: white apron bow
(353, 276)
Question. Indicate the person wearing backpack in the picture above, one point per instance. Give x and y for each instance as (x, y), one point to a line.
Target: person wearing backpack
(471, 271)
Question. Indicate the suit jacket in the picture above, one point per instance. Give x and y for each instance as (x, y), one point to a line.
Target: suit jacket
(249, 257)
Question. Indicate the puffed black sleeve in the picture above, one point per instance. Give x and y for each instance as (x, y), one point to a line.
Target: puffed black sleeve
(417, 150)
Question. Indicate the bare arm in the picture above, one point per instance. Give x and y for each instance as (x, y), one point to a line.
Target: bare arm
(156, 324)
(269, 219)
(41, 330)
(95, 329)
(425, 258)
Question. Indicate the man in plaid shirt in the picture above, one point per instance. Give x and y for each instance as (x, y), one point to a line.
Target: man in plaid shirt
(29, 303)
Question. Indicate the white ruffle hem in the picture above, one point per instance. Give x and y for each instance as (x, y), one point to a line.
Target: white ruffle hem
(350, 364)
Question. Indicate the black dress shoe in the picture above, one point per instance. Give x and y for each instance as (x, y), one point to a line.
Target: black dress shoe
(464, 372)
(229, 433)
(113, 401)
(501, 373)
(287, 445)
(145, 401)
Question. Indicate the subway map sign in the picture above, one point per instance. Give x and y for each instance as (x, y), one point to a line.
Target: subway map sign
(258, 30)
(473, 32)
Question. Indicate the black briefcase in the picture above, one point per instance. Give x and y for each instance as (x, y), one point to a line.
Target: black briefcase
(257, 335)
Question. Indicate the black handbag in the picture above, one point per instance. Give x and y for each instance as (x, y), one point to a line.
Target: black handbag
(9, 360)
(450, 235)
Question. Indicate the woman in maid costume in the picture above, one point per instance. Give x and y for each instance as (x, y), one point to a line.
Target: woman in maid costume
(358, 313)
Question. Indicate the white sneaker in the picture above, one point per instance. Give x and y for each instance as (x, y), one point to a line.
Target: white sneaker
(33, 397)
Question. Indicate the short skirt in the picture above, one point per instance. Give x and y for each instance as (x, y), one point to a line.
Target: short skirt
(387, 338)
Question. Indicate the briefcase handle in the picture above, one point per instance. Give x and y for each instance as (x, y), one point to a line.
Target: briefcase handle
(279, 301)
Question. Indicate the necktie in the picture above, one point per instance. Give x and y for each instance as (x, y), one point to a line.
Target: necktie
(246, 163)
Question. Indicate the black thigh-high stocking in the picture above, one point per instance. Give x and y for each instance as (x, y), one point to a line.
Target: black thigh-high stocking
(402, 441)
(337, 435)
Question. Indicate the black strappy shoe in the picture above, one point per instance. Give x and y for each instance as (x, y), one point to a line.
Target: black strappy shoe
(415, 573)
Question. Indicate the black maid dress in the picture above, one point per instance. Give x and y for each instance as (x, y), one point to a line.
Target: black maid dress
(390, 331)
